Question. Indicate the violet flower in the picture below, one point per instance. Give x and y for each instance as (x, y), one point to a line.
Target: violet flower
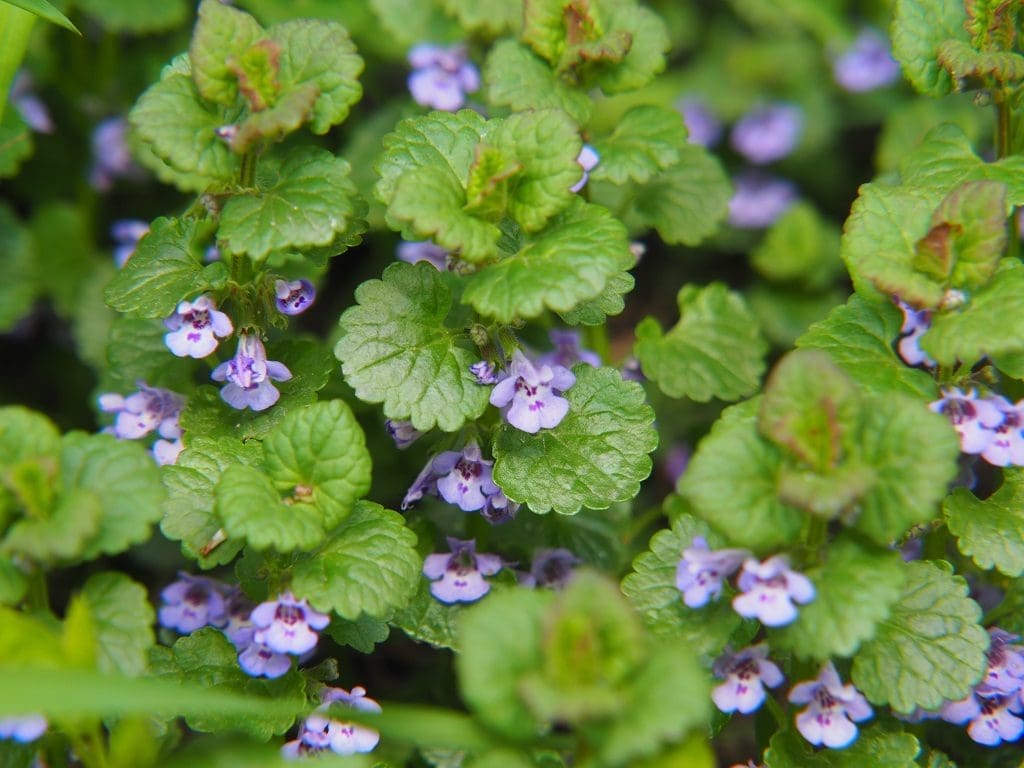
(31, 108)
(768, 133)
(402, 432)
(769, 590)
(441, 76)
(588, 160)
(194, 328)
(191, 603)
(166, 452)
(746, 673)
(485, 372)
(973, 418)
(459, 577)
(238, 627)
(112, 159)
(992, 718)
(915, 324)
(346, 738)
(23, 728)
(533, 396)
(499, 509)
(758, 201)
(1005, 673)
(550, 568)
(701, 571)
(287, 625)
(467, 483)
(257, 659)
(867, 64)
(248, 375)
(568, 351)
(1006, 445)
(126, 234)
(138, 414)
(833, 709)
(294, 297)
(702, 125)
(423, 250)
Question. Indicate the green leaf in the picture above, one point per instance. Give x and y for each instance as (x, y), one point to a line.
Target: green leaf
(123, 617)
(714, 350)
(395, 350)
(651, 589)
(859, 337)
(25, 434)
(222, 34)
(875, 747)
(61, 535)
(800, 248)
(930, 649)
(646, 140)
(856, 588)
(13, 582)
(251, 508)
(440, 140)
(163, 271)
(592, 536)
(18, 282)
(410, 23)
(287, 114)
(363, 634)
(133, 18)
(318, 454)
(595, 457)
(308, 201)
(966, 335)
(569, 262)
(135, 350)
(16, 143)
(369, 565)
(64, 256)
(320, 54)
(962, 61)
(918, 28)
(429, 620)
(687, 202)
(992, 24)
(492, 17)
(608, 303)
(208, 658)
(732, 482)
(180, 129)
(991, 531)
(500, 638)
(46, 11)
(125, 481)
(519, 79)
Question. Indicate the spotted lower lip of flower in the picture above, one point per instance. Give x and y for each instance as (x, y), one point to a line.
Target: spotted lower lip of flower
(345, 738)
(833, 709)
(248, 375)
(499, 509)
(459, 577)
(972, 417)
(295, 297)
(1005, 673)
(468, 483)
(746, 674)
(769, 591)
(191, 603)
(194, 328)
(701, 572)
(990, 720)
(287, 625)
(533, 396)
(1006, 445)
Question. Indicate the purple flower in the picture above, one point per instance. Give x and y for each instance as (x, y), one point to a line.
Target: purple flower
(915, 324)
(833, 710)
(991, 718)
(194, 328)
(550, 568)
(973, 418)
(1006, 446)
(111, 158)
(191, 603)
(423, 250)
(499, 509)
(239, 628)
(138, 414)
(441, 76)
(702, 125)
(31, 108)
(127, 233)
(769, 591)
(295, 297)
(287, 625)
(166, 452)
(588, 160)
(1005, 673)
(675, 462)
(758, 201)
(402, 432)
(568, 351)
(631, 370)
(867, 64)
(485, 372)
(746, 673)
(768, 133)
(248, 376)
(345, 738)
(23, 728)
(459, 577)
(533, 396)
(700, 572)
(259, 660)
(468, 483)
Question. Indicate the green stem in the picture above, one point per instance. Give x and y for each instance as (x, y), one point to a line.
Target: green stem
(1004, 126)
(15, 27)
(247, 171)
(37, 598)
(777, 713)
(935, 544)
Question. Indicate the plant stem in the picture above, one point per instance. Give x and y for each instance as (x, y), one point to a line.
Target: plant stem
(247, 172)
(15, 26)
(37, 597)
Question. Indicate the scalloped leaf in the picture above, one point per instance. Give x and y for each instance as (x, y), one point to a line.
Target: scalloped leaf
(919, 28)
(991, 531)
(646, 140)
(517, 78)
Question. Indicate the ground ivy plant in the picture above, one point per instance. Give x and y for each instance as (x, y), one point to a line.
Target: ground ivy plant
(457, 395)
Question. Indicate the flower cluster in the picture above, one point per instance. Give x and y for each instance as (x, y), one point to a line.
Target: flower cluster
(458, 576)
(441, 76)
(768, 589)
(293, 297)
(550, 568)
(990, 426)
(142, 412)
(320, 733)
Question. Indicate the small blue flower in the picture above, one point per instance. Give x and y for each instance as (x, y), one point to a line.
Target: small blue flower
(973, 417)
(769, 590)
(238, 627)
(550, 568)
(248, 375)
(287, 625)
(568, 351)
(758, 200)
(768, 133)
(191, 603)
(833, 709)
(701, 571)
(194, 328)
(915, 324)
(702, 125)
(746, 673)
(533, 396)
(498, 509)
(588, 160)
(867, 64)
(166, 452)
(295, 297)
(259, 660)
(127, 233)
(459, 577)
(402, 432)
(111, 157)
(485, 372)
(23, 728)
(1006, 446)
(424, 250)
(142, 412)
(467, 482)
(31, 108)
(441, 76)
(992, 718)
(1005, 673)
